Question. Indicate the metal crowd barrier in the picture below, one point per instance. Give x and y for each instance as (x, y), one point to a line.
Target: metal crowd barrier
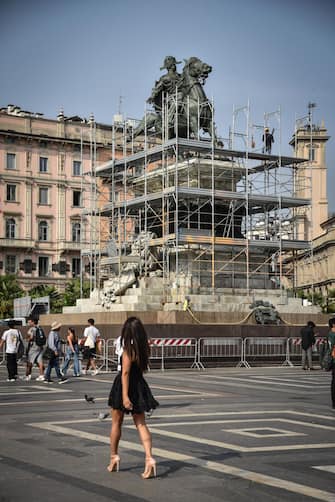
(174, 348)
(197, 352)
(264, 347)
(3, 356)
(100, 360)
(294, 349)
(111, 357)
(210, 348)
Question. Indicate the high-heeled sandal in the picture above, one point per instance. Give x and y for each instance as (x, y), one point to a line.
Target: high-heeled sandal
(114, 464)
(150, 468)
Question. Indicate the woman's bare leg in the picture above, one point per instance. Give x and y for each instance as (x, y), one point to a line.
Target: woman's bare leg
(144, 433)
(117, 419)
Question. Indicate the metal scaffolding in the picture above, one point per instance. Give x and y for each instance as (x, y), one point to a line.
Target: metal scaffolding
(205, 217)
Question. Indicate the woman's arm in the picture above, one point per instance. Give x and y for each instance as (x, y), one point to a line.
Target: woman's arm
(69, 341)
(126, 365)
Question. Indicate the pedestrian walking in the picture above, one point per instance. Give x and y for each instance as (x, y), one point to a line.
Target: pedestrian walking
(331, 341)
(54, 350)
(307, 342)
(36, 343)
(91, 341)
(130, 393)
(11, 337)
(71, 352)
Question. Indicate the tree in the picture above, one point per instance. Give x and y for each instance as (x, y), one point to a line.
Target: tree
(9, 290)
(56, 298)
(72, 291)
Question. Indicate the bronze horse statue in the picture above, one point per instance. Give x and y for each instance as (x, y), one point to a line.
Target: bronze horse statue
(187, 96)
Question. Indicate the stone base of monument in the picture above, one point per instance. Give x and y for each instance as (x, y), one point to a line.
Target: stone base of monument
(153, 295)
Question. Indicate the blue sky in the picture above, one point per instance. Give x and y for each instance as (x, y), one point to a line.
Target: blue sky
(83, 55)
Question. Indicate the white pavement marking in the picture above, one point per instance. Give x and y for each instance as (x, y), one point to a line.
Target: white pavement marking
(220, 444)
(71, 400)
(327, 468)
(255, 477)
(234, 382)
(285, 420)
(276, 433)
(32, 390)
(267, 382)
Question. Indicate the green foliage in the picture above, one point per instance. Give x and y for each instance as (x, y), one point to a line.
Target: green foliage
(56, 298)
(72, 291)
(9, 289)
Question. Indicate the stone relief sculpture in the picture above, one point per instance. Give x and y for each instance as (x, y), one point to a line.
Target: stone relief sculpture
(138, 258)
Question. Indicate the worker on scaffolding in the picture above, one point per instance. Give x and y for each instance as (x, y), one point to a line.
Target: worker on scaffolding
(267, 139)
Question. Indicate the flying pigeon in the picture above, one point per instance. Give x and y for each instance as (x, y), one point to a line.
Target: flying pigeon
(89, 399)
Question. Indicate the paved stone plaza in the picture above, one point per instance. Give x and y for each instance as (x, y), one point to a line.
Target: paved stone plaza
(225, 434)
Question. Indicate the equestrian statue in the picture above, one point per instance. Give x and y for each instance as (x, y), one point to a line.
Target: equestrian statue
(179, 102)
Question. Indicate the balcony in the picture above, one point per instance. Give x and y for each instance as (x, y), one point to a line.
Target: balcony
(17, 243)
(71, 246)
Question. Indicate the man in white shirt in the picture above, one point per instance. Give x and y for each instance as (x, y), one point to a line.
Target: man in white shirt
(118, 349)
(11, 338)
(91, 343)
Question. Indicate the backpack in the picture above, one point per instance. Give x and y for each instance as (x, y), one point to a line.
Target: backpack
(327, 362)
(40, 338)
(19, 346)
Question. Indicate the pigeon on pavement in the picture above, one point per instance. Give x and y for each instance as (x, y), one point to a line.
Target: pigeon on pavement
(89, 399)
(103, 415)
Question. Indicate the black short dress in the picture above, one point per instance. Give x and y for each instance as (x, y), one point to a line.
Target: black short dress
(139, 392)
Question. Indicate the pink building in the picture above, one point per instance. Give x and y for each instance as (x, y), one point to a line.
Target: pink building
(48, 196)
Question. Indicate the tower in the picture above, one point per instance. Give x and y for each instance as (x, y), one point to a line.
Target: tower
(309, 142)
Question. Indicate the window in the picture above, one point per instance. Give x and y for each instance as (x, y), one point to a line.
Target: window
(43, 165)
(76, 232)
(43, 195)
(43, 266)
(76, 200)
(43, 231)
(11, 193)
(10, 264)
(311, 154)
(10, 228)
(75, 267)
(11, 161)
(27, 266)
(76, 168)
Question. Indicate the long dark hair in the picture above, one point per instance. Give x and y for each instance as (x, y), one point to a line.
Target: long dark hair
(134, 340)
(74, 337)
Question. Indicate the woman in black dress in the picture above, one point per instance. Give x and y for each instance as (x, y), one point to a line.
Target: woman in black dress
(130, 393)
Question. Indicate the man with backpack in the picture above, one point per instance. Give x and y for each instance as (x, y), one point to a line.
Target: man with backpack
(36, 343)
(13, 339)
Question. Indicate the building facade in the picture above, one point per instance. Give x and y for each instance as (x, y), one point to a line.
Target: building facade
(49, 197)
(309, 142)
(315, 271)
(314, 268)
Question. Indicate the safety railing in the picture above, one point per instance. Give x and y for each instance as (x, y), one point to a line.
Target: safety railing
(264, 348)
(174, 348)
(3, 355)
(199, 352)
(101, 356)
(111, 357)
(294, 349)
(214, 348)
